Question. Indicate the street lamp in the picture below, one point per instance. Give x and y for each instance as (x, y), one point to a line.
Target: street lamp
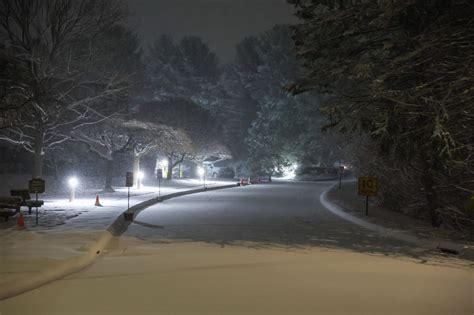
(140, 177)
(164, 167)
(72, 182)
(201, 172)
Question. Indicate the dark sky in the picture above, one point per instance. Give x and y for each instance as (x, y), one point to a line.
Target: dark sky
(222, 23)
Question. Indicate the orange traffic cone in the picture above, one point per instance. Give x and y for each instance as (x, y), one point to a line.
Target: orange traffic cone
(241, 181)
(21, 222)
(97, 202)
(249, 182)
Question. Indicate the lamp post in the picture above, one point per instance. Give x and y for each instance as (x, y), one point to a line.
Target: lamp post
(341, 172)
(202, 173)
(164, 167)
(72, 182)
(140, 177)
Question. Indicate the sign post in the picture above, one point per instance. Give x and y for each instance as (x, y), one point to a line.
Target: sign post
(36, 186)
(159, 175)
(128, 184)
(367, 186)
(36, 212)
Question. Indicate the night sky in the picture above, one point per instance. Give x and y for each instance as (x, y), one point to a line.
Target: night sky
(222, 23)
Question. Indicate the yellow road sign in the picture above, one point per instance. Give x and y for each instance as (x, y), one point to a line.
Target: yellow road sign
(368, 186)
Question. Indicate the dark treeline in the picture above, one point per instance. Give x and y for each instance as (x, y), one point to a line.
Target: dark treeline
(398, 77)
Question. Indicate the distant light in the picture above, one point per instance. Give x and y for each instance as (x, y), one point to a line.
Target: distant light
(164, 163)
(141, 175)
(73, 182)
(288, 171)
(200, 171)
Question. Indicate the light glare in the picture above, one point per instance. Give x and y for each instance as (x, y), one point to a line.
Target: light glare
(73, 182)
(200, 171)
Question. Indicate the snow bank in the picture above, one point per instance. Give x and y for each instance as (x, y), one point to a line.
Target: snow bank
(196, 278)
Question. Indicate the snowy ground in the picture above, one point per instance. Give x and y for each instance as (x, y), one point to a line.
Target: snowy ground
(348, 199)
(195, 278)
(261, 249)
(59, 214)
(66, 228)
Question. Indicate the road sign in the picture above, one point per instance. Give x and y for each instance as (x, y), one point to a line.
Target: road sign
(159, 173)
(368, 186)
(36, 186)
(129, 179)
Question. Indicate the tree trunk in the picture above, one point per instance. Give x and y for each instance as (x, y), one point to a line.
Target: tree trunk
(431, 197)
(172, 165)
(38, 157)
(236, 173)
(169, 175)
(56, 169)
(109, 173)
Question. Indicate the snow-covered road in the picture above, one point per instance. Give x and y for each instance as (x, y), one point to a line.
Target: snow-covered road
(285, 213)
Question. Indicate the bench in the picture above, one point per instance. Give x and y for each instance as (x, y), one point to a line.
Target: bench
(7, 204)
(26, 200)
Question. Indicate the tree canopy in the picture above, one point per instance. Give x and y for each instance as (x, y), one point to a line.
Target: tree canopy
(402, 73)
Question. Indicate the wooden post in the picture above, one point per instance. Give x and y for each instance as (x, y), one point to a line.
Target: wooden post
(366, 205)
(36, 208)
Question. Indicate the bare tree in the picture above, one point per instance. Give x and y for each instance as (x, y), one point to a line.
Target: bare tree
(63, 48)
(107, 140)
(119, 135)
(11, 89)
(148, 137)
(201, 128)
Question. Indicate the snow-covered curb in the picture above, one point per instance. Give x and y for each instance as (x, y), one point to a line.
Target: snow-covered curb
(449, 247)
(120, 225)
(75, 264)
(72, 265)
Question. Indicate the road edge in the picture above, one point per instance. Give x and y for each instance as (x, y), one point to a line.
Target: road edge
(78, 263)
(443, 246)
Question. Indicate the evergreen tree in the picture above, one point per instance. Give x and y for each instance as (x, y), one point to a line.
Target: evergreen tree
(400, 72)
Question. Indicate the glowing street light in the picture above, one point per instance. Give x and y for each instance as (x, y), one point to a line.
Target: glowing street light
(164, 167)
(73, 182)
(140, 177)
(202, 172)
